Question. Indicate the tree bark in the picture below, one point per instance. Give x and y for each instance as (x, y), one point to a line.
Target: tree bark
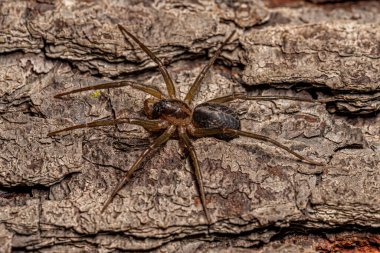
(260, 198)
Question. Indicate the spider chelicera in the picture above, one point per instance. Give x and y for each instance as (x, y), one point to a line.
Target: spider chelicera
(173, 117)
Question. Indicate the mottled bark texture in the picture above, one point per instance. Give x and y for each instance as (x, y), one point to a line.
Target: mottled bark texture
(52, 189)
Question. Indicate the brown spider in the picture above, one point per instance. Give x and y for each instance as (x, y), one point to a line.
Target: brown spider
(174, 117)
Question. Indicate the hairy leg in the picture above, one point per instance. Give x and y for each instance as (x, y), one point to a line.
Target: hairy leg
(158, 142)
(168, 80)
(244, 96)
(117, 84)
(203, 132)
(198, 174)
(152, 125)
(193, 89)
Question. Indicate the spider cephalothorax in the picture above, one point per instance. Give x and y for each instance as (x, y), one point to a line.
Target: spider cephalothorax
(173, 111)
(172, 117)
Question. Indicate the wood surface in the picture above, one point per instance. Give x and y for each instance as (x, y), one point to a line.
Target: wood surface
(260, 198)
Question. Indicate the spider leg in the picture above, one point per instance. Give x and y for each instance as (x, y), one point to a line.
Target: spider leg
(244, 96)
(157, 142)
(203, 132)
(193, 89)
(163, 70)
(198, 174)
(152, 91)
(152, 125)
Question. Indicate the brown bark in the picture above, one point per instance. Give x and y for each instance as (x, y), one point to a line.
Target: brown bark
(52, 189)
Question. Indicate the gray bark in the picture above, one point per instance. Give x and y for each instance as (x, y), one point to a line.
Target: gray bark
(52, 189)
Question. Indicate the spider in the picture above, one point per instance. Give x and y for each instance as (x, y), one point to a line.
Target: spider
(172, 117)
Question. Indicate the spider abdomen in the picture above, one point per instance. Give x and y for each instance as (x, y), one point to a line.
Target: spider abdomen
(216, 116)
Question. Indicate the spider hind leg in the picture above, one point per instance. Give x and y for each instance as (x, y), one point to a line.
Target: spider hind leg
(203, 132)
(198, 173)
(244, 96)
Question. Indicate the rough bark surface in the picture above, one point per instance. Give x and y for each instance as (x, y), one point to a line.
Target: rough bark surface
(260, 198)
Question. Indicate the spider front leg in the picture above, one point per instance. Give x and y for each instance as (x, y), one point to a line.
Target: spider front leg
(157, 142)
(204, 132)
(168, 80)
(198, 174)
(194, 87)
(150, 125)
(116, 84)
